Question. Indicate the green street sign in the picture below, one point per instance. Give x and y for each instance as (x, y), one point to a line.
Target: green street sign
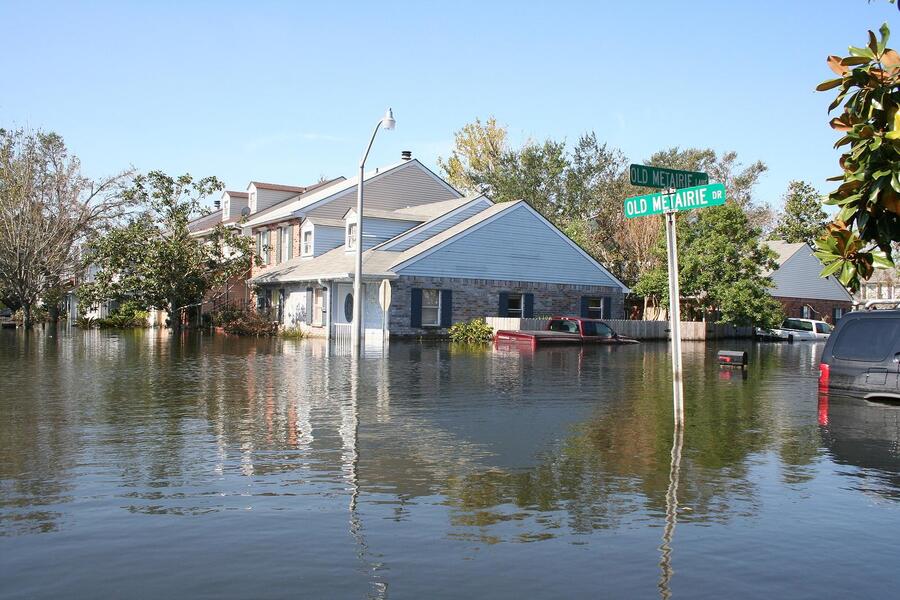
(659, 177)
(701, 196)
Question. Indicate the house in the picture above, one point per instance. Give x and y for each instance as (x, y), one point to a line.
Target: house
(884, 284)
(800, 289)
(447, 258)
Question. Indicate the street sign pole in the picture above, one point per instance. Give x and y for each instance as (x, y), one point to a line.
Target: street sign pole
(674, 316)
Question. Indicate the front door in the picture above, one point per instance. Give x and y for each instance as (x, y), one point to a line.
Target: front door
(343, 308)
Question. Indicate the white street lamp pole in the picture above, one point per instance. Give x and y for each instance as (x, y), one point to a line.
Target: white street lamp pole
(356, 336)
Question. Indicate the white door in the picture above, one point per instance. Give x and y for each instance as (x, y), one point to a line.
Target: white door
(343, 307)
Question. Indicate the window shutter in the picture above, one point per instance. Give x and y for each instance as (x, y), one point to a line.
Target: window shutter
(309, 306)
(585, 302)
(446, 308)
(415, 313)
(503, 310)
(278, 245)
(290, 244)
(607, 307)
(527, 306)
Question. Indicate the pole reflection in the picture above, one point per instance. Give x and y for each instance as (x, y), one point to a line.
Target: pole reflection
(665, 562)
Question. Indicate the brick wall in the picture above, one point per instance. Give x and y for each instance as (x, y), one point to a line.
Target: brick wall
(480, 298)
(273, 240)
(793, 307)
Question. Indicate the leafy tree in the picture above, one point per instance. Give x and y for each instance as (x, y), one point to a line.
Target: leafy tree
(479, 148)
(154, 261)
(48, 209)
(868, 219)
(722, 266)
(803, 219)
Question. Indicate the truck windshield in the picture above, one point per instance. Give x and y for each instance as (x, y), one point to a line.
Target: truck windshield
(593, 328)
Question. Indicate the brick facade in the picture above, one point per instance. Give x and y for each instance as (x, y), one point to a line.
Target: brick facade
(793, 307)
(480, 298)
(273, 228)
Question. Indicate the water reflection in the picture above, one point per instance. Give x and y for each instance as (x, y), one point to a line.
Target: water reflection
(418, 451)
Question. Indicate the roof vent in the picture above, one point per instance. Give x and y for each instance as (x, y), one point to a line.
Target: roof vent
(406, 155)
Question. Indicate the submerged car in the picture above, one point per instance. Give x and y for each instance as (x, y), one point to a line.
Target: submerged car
(796, 329)
(862, 356)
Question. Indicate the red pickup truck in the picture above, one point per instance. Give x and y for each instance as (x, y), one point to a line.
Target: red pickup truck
(567, 330)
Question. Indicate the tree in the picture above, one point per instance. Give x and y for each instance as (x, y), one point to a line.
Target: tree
(803, 219)
(48, 209)
(722, 267)
(868, 219)
(153, 259)
(478, 150)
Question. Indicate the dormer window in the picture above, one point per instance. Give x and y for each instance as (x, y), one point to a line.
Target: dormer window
(307, 245)
(352, 236)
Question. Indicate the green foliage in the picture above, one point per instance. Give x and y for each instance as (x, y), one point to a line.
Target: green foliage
(803, 219)
(154, 259)
(581, 190)
(83, 322)
(868, 218)
(476, 331)
(38, 315)
(130, 314)
(721, 267)
(292, 333)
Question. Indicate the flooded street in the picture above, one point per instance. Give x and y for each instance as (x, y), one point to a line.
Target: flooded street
(135, 465)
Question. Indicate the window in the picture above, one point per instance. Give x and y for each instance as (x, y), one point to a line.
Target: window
(836, 314)
(797, 325)
(594, 308)
(564, 326)
(262, 247)
(318, 307)
(287, 242)
(868, 340)
(431, 308)
(351, 236)
(514, 306)
(307, 245)
(806, 313)
(348, 308)
(823, 328)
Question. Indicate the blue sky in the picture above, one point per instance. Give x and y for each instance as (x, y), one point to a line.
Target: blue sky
(288, 91)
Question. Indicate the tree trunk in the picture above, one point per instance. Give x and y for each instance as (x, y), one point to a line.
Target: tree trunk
(53, 314)
(26, 315)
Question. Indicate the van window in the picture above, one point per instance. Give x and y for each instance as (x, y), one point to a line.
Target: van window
(869, 340)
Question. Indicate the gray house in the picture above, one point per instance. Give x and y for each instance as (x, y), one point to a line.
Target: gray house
(448, 258)
(800, 289)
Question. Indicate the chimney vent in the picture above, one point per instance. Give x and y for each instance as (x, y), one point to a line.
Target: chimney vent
(406, 155)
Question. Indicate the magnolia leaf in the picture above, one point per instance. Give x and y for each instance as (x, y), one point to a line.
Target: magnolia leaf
(885, 32)
(834, 63)
(848, 274)
(895, 133)
(862, 53)
(827, 85)
(873, 43)
(882, 260)
(881, 173)
(840, 123)
(832, 268)
(890, 59)
(895, 183)
(875, 144)
(851, 61)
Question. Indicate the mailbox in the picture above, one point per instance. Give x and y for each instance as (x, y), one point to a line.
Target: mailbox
(732, 358)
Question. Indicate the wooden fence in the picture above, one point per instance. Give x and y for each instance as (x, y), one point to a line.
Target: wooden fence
(640, 330)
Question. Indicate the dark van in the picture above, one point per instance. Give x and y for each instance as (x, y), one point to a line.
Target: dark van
(862, 356)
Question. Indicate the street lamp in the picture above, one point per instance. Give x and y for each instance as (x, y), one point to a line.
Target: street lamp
(386, 122)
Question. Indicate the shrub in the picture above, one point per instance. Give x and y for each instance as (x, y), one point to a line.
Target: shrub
(38, 315)
(292, 333)
(85, 322)
(244, 321)
(476, 331)
(129, 314)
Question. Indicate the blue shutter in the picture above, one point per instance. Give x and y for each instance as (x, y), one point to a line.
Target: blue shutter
(527, 306)
(607, 307)
(415, 313)
(446, 308)
(503, 310)
(585, 302)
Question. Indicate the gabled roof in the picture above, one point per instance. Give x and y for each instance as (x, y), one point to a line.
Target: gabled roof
(234, 194)
(277, 187)
(310, 201)
(325, 222)
(797, 275)
(395, 215)
(277, 207)
(338, 263)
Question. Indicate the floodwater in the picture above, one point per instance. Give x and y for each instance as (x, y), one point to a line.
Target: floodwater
(136, 465)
